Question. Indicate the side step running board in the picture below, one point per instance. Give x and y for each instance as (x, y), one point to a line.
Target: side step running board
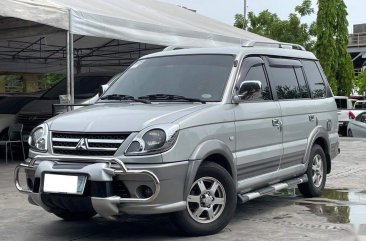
(245, 197)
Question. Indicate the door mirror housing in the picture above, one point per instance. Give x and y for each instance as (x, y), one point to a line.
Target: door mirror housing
(102, 89)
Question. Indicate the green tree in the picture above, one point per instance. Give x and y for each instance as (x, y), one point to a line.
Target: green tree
(331, 46)
(50, 79)
(270, 25)
(360, 83)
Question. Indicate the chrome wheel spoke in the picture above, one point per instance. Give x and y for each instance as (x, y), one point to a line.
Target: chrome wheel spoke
(193, 199)
(214, 187)
(198, 212)
(219, 201)
(210, 213)
(201, 186)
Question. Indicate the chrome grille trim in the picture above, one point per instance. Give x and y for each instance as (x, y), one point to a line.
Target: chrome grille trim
(87, 144)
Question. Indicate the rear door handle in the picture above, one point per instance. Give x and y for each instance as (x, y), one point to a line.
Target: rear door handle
(311, 118)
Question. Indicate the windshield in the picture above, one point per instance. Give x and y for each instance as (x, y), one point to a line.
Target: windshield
(85, 87)
(198, 77)
(360, 105)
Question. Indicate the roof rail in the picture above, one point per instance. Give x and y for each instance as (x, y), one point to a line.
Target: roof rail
(169, 48)
(274, 45)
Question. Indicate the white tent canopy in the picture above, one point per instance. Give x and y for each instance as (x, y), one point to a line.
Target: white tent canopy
(146, 21)
(101, 34)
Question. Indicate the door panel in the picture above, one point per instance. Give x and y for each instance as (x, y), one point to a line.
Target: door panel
(259, 143)
(298, 121)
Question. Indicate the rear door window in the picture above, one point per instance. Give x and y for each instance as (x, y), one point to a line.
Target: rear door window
(285, 83)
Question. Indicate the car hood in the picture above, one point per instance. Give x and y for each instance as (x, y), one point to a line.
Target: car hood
(118, 117)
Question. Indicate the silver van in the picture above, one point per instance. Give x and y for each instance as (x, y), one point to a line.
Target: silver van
(189, 132)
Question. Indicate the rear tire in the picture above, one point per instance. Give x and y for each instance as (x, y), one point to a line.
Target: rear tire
(316, 173)
(211, 202)
(71, 216)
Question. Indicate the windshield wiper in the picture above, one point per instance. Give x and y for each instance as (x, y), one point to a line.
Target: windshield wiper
(167, 97)
(124, 97)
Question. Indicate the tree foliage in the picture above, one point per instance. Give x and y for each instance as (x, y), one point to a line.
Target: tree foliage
(331, 46)
(270, 25)
(50, 79)
(360, 83)
(327, 36)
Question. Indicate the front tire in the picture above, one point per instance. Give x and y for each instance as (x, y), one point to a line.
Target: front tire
(316, 173)
(211, 202)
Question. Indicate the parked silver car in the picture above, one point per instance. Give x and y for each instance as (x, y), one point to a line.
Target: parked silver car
(357, 127)
(189, 132)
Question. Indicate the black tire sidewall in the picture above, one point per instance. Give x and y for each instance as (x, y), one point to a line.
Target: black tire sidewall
(191, 227)
(309, 189)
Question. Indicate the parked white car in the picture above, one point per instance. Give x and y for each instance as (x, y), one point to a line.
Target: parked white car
(357, 127)
(346, 113)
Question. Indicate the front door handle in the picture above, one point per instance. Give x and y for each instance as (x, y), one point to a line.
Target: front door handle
(276, 122)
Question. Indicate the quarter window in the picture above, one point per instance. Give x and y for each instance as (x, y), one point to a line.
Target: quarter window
(255, 86)
(314, 78)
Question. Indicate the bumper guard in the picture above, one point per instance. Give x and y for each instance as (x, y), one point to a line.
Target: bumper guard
(121, 170)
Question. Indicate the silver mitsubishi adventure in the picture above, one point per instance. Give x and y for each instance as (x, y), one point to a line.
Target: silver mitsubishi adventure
(190, 132)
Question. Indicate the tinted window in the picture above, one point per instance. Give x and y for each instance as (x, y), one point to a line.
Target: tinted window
(314, 78)
(285, 83)
(254, 86)
(360, 105)
(201, 77)
(304, 89)
(361, 117)
(85, 87)
(341, 103)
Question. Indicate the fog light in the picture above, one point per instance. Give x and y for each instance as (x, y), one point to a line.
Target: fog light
(144, 191)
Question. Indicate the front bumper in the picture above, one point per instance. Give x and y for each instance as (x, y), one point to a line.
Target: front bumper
(165, 180)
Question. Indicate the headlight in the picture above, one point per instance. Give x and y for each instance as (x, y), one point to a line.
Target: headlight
(153, 141)
(38, 138)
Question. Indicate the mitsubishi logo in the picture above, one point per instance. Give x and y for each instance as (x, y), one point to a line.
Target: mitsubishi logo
(82, 144)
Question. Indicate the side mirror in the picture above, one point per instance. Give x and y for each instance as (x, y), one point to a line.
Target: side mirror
(249, 89)
(102, 89)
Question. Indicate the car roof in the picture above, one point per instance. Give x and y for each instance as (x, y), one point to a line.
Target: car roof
(271, 51)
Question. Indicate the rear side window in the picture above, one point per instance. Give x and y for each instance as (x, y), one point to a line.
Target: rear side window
(285, 83)
(341, 103)
(360, 105)
(255, 86)
(314, 78)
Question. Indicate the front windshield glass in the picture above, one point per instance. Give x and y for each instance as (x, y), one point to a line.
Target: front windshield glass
(201, 77)
(85, 87)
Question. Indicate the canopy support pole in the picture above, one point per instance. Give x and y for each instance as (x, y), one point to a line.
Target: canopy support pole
(70, 64)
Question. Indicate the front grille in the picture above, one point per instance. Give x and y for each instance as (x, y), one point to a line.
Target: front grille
(30, 121)
(87, 144)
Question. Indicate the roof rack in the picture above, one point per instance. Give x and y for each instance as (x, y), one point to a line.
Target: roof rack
(274, 45)
(169, 48)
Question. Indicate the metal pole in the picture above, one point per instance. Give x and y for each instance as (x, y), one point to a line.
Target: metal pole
(245, 14)
(70, 63)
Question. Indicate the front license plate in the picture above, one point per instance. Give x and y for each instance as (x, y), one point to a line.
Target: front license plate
(68, 184)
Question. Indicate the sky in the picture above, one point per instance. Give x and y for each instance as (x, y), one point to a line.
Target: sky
(224, 10)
